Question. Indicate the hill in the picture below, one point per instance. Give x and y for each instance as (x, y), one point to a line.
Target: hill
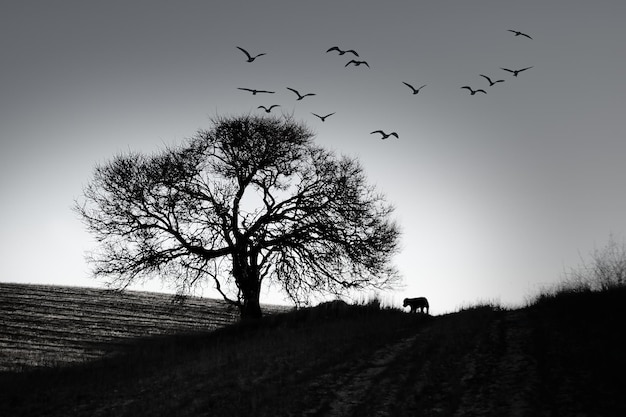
(52, 325)
(561, 356)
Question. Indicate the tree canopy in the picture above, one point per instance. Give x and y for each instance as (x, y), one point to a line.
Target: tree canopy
(250, 201)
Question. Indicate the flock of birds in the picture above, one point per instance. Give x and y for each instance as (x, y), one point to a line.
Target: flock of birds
(356, 63)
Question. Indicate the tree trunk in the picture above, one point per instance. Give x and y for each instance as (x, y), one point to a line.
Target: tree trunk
(247, 279)
(251, 308)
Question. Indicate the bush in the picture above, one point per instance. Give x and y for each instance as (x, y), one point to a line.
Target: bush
(606, 270)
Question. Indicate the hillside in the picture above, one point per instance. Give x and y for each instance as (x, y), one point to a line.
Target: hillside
(52, 325)
(562, 356)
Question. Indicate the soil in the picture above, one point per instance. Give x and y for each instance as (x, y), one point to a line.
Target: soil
(498, 376)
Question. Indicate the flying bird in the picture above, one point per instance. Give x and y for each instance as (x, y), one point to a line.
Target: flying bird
(250, 57)
(341, 52)
(491, 83)
(323, 118)
(357, 63)
(255, 92)
(474, 91)
(385, 135)
(415, 90)
(268, 109)
(518, 33)
(515, 72)
(300, 96)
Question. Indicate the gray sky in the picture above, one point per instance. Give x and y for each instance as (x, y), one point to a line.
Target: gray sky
(496, 194)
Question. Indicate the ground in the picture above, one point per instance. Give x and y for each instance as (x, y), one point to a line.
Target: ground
(558, 357)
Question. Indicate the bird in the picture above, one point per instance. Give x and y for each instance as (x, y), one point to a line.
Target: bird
(474, 91)
(518, 33)
(415, 90)
(250, 57)
(515, 72)
(341, 52)
(385, 135)
(491, 83)
(254, 92)
(323, 118)
(268, 109)
(300, 96)
(357, 63)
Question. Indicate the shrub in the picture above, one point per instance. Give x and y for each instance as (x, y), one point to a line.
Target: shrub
(606, 270)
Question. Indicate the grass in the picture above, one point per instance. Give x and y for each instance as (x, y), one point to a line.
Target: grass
(579, 333)
(560, 355)
(44, 326)
(239, 369)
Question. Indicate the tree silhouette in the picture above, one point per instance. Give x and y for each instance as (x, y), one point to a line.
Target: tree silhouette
(248, 202)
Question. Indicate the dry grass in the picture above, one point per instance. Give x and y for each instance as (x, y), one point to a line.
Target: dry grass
(561, 356)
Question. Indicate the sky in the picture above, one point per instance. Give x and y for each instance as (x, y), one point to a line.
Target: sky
(497, 194)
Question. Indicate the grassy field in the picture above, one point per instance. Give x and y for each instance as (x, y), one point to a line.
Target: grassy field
(42, 326)
(563, 355)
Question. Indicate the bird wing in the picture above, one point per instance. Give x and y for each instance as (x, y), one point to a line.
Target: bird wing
(352, 51)
(378, 131)
(260, 55)
(308, 94)
(524, 69)
(245, 52)
(334, 48)
(295, 91)
(468, 87)
(394, 134)
(330, 114)
(245, 89)
(262, 107)
(487, 78)
(506, 69)
(350, 62)
(523, 34)
(481, 90)
(409, 85)
(265, 91)
(365, 62)
(317, 115)
(421, 87)
(274, 105)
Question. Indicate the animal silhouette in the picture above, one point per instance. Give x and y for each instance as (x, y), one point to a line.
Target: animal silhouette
(517, 33)
(474, 91)
(323, 118)
(255, 92)
(385, 135)
(415, 90)
(515, 72)
(491, 83)
(300, 96)
(268, 109)
(419, 303)
(341, 52)
(357, 63)
(250, 57)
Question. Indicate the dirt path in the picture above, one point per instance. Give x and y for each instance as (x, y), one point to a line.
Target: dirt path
(450, 369)
(502, 374)
(350, 390)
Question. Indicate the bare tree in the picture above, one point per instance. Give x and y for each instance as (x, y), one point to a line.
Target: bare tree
(250, 201)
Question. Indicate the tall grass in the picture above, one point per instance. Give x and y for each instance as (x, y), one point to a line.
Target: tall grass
(604, 271)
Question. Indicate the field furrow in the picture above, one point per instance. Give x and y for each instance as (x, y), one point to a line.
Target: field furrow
(49, 325)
